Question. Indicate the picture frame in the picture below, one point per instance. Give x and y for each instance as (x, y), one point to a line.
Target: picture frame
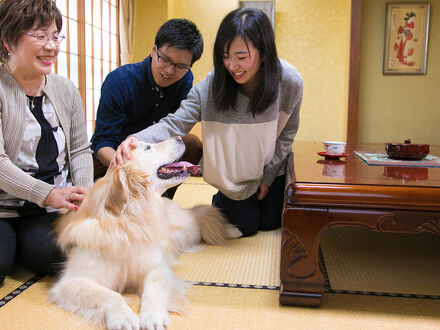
(406, 38)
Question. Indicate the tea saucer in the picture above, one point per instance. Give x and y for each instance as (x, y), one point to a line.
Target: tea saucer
(331, 156)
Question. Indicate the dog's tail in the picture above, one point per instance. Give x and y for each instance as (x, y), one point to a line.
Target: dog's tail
(214, 229)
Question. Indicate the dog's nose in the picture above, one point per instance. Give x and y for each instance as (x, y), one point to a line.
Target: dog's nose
(178, 138)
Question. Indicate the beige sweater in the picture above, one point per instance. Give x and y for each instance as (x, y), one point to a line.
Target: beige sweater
(65, 99)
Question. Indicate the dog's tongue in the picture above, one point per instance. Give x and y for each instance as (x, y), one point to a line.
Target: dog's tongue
(183, 165)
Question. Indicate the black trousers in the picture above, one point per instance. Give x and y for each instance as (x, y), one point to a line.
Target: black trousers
(251, 215)
(30, 239)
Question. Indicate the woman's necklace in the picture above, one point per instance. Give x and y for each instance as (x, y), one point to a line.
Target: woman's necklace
(31, 98)
(31, 102)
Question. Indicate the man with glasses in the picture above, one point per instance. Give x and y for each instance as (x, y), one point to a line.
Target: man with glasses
(138, 95)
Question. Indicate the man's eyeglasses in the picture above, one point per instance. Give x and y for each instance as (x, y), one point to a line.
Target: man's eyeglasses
(45, 38)
(165, 61)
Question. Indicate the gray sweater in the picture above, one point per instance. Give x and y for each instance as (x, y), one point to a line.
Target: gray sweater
(65, 99)
(239, 151)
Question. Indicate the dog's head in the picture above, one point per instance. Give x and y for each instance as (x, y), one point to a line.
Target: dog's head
(161, 162)
(127, 194)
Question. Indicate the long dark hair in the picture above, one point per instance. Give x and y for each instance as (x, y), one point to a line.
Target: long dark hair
(252, 25)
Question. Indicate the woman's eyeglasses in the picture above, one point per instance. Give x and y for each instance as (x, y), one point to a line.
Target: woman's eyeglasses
(45, 38)
(165, 61)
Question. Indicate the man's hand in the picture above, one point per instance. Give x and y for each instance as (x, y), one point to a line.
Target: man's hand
(123, 151)
(66, 197)
(262, 191)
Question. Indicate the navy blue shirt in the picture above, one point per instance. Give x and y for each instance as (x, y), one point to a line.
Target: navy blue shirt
(131, 101)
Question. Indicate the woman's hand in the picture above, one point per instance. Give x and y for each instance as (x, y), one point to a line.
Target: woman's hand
(262, 191)
(66, 197)
(123, 151)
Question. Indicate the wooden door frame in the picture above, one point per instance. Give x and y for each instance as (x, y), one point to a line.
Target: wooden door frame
(354, 71)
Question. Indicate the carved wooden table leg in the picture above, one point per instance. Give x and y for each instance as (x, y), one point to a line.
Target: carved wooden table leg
(302, 282)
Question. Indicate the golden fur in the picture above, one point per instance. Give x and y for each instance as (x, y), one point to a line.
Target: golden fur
(125, 236)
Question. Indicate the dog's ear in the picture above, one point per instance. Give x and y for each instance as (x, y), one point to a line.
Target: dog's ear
(117, 194)
(137, 183)
(127, 185)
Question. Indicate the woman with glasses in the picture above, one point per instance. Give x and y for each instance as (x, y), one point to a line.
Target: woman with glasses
(45, 159)
(248, 107)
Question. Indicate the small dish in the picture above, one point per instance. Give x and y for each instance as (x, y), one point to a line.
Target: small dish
(407, 150)
(331, 156)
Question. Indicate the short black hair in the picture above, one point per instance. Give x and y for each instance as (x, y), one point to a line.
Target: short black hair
(183, 34)
(251, 25)
(19, 16)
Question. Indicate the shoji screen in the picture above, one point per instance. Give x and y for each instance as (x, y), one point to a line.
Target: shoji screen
(91, 48)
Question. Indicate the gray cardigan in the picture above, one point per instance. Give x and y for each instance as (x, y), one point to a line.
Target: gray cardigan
(66, 100)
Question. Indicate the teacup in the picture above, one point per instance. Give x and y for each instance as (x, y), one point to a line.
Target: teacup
(334, 147)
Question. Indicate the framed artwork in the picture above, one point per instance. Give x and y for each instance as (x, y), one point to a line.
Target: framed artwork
(267, 6)
(406, 38)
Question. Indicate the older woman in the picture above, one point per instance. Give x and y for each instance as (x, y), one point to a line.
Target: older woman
(45, 159)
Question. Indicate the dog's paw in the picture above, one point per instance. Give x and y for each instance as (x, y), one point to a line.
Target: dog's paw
(158, 320)
(123, 319)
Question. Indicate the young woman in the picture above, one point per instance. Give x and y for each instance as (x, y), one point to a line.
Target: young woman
(249, 111)
(45, 159)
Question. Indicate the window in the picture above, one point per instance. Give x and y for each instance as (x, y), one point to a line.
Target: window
(91, 48)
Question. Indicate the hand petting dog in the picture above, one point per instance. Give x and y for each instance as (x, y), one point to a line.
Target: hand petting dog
(66, 197)
(124, 151)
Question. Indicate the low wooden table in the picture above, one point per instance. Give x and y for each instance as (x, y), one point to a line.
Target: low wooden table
(322, 194)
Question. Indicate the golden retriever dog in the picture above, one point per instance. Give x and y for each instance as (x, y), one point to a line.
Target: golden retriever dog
(125, 237)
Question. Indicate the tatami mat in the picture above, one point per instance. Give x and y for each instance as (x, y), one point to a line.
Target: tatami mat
(226, 308)
(255, 261)
(18, 276)
(251, 260)
(32, 310)
(194, 191)
(358, 259)
(233, 308)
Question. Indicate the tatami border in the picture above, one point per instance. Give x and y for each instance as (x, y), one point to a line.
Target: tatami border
(327, 289)
(233, 285)
(36, 278)
(20, 289)
(383, 294)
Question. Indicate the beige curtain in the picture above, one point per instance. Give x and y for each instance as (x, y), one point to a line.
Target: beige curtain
(126, 22)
